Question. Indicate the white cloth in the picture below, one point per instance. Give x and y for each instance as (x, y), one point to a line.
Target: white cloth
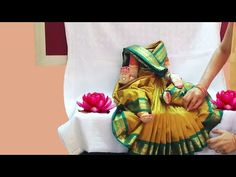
(94, 61)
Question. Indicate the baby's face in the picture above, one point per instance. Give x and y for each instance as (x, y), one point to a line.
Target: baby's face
(124, 70)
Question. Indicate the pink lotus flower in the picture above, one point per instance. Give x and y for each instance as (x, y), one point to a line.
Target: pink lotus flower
(225, 100)
(96, 102)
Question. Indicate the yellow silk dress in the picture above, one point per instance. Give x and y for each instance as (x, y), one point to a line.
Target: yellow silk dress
(174, 130)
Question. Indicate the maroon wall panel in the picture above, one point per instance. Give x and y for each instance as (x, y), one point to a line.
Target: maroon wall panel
(55, 38)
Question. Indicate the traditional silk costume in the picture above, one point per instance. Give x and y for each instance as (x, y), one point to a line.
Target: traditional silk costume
(173, 130)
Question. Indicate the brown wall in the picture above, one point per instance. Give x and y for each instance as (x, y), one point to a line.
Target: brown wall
(31, 97)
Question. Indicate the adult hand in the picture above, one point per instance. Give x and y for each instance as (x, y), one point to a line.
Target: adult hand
(193, 99)
(224, 143)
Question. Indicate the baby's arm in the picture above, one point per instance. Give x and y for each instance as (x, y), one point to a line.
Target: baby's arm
(175, 79)
(145, 117)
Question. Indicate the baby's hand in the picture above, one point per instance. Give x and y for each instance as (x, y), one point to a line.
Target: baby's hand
(177, 80)
(145, 117)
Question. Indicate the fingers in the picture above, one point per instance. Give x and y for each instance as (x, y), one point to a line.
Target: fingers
(220, 147)
(187, 99)
(192, 103)
(217, 145)
(193, 99)
(213, 140)
(223, 143)
(197, 104)
(218, 131)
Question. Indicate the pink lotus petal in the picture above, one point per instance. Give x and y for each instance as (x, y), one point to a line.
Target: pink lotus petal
(107, 106)
(100, 104)
(95, 94)
(92, 100)
(226, 98)
(85, 98)
(86, 106)
(108, 103)
(79, 104)
(107, 98)
(231, 93)
(103, 98)
(102, 95)
(219, 103)
(228, 107)
(96, 100)
(89, 94)
(233, 103)
(94, 109)
(111, 106)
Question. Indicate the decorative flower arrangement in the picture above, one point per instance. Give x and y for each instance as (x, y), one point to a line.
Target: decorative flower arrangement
(96, 102)
(225, 100)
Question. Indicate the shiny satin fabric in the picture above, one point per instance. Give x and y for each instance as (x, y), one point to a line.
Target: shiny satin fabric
(174, 130)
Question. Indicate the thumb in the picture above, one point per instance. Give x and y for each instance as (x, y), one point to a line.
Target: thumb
(218, 131)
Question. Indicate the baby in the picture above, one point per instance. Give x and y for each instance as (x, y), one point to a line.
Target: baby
(130, 73)
(150, 117)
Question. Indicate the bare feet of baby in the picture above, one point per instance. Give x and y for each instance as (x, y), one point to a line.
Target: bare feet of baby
(145, 117)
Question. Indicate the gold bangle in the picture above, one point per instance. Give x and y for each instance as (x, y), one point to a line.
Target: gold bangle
(203, 90)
